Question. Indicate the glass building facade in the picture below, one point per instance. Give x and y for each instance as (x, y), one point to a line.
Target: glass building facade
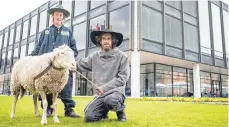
(170, 31)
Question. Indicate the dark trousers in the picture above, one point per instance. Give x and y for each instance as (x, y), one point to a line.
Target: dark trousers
(100, 106)
(65, 96)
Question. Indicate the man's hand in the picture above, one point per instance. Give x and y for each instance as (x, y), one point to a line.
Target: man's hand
(100, 90)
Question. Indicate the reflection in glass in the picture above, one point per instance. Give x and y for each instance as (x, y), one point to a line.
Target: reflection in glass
(11, 36)
(79, 34)
(31, 47)
(173, 32)
(3, 61)
(225, 20)
(204, 26)
(0, 41)
(43, 20)
(15, 57)
(33, 25)
(152, 24)
(80, 7)
(163, 81)
(179, 82)
(216, 24)
(23, 49)
(97, 3)
(5, 39)
(119, 21)
(18, 33)
(191, 37)
(8, 62)
(25, 29)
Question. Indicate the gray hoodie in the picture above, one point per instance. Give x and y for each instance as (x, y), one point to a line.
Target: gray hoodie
(110, 70)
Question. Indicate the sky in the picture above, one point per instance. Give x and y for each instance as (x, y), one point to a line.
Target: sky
(12, 10)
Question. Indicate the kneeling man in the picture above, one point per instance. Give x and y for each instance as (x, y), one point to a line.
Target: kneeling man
(110, 72)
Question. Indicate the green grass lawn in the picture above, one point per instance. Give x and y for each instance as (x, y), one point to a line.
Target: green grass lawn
(139, 114)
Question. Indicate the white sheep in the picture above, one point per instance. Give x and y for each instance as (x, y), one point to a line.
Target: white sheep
(53, 81)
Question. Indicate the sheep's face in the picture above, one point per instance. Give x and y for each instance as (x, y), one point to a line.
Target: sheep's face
(64, 58)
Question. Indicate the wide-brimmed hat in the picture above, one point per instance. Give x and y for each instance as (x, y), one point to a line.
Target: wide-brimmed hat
(59, 8)
(95, 35)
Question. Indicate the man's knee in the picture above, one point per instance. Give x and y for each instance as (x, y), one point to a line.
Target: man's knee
(114, 102)
(90, 117)
(112, 99)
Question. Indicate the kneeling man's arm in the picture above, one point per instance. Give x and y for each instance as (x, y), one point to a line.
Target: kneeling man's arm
(84, 64)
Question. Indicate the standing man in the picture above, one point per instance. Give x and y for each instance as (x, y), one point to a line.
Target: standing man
(53, 37)
(110, 72)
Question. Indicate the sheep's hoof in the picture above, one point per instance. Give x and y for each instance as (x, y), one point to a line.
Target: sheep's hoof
(43, 122)
(37, 114)
(56, 120)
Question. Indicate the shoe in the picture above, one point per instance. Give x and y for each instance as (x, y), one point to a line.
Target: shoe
(71, 114)
(49, 112)
(121, 116)
(105, 116)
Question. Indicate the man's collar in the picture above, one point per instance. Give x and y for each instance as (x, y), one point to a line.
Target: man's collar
(57, 27)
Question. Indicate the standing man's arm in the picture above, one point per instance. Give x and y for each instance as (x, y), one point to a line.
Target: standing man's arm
(72, 44)
(38, 45)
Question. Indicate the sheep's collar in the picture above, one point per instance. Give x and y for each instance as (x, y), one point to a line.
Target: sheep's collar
(51, 65)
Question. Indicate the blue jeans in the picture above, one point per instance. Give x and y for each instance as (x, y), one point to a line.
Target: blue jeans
(65, 96)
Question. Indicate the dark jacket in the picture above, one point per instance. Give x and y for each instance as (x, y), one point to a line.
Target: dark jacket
(47, 42)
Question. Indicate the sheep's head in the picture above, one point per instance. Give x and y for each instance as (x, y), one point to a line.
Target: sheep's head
(63, 57)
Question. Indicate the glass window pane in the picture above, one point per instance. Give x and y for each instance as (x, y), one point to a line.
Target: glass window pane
(8, 62)
(80, 7)
(3, 61)
(173, 32)
(176, 4)
(151, 46)
(97, 24)
(11, 36)
(67, 4)
(18, 33)
(31, 47)
(79, 34)
(154, 4)
(23, 49)
(190, 7)
(179, 82)
(96, 3)
(172, 11)
(217, 35)
(43, 20)
(119, 21)
(0, 41)
(152, 24)
(33, 25)
(25, 29)
(204, 25)
(225, 20)
(174, 52)
(191, 37)
(15, 58)
(163, 81)
(5, 39)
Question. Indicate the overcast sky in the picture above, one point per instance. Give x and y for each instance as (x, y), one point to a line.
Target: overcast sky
(12, 10)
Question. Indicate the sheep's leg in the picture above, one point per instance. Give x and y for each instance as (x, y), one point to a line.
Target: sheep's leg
(36, 112)
(45, 104)
(55, 118)
(12, 114)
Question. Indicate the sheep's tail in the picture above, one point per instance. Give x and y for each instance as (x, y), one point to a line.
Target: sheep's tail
(22, 92)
